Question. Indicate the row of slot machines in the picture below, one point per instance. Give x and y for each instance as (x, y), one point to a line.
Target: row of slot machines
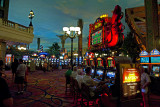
(60, 62)
(105, 68)
(121, 74)
(102, 69)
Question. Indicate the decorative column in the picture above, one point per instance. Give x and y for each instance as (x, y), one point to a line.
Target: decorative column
(3, 52)
(80, 24)
(63, 39)
(153, 39)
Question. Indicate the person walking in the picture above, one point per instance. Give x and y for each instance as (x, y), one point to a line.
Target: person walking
(14, 66)
(145, 81)
(20, 75)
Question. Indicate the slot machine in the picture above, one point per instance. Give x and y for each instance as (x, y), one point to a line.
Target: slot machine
(92, 65)
(99, 69)
(144, 60)
(85, 63)
(80, 60)
(110, 70)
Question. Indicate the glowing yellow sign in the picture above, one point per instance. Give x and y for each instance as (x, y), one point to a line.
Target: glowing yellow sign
(104, 15)
(97, 25)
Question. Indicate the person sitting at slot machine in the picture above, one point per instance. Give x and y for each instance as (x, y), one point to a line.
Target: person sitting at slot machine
(79, 77)
(96, 88)
(74, 73)
(80, 69)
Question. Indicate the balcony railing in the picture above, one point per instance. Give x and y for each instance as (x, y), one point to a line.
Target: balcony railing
(15, 26)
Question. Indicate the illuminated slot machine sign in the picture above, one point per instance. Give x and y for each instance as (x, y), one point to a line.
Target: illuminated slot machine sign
(110, 62)
(144, 57)
(42, 56)
(8, 58)
(85, 62)
(106, 31)
(99, 62)
(92, 62)
(130, 83)
(155, 61)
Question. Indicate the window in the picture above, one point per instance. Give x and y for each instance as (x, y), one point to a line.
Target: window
(1, 14)
(2, 3)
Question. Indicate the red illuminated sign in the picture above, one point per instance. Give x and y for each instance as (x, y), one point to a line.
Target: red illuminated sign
(108, 31)
(130, 83)
(131, 75)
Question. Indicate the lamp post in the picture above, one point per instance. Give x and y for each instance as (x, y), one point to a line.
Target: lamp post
(72, 32)
(31, 15)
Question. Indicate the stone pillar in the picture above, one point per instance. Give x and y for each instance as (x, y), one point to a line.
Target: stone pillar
(80, 24)
(38, 43)
(153, 39)
(63, 39)
(3, 52)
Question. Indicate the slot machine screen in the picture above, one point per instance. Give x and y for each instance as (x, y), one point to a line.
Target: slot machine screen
(25, 58)
(155, 69)
(84, 70)
(99, 72)
(145, 66)
(144, 59)
(92, 71)
(111, 74)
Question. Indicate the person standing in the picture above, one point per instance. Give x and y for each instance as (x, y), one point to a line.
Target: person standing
(45, 67)
(145, 81)
(20, 75)
(14, 66)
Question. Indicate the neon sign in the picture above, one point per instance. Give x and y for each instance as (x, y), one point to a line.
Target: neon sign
(111, 33)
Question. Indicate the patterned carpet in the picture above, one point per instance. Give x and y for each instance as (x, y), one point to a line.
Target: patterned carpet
(44, 90)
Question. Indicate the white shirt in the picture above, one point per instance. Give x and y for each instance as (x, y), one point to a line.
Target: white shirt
(79, 78)
(21, 70)
(144, 79)
(91, 83)
(74, 74)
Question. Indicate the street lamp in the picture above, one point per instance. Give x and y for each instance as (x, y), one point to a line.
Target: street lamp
(31, 15)
(72, 32)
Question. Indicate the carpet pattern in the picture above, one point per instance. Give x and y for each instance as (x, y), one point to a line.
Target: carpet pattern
(44, 90)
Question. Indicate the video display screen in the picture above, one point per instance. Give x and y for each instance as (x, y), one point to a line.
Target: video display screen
(144, 59)
(155, 69)
(92, 71)
(25, 57)
(97, 37)
(111, 74)
(155, 59)
(100, 72)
